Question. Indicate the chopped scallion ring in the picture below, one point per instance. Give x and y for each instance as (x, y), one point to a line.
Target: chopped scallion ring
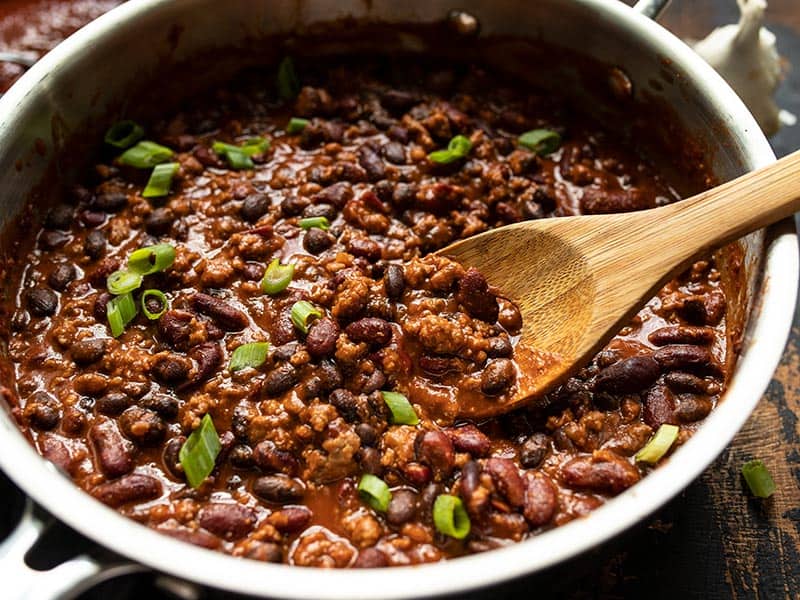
(160, 180)
(302, 312)
(450, 517)
(277, 277)
(288, 82)
(458, 148)
(124, 134)
(145, 154)
(199, 452)
(249, 355)
(296, 125)
(122, 282)
(120, 311)
(758, 479)
(659, 444)
(402, 411)
(318, 222)
(374, 491)
(163, 303)
(151, 259)
(540, 141)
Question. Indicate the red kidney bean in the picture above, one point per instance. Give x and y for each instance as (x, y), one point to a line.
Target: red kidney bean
(87, 351)
(370, 330)
(290, 519)
(659, 407)
(131, 488)
(280, 380)
(111, 450)
(228, 520)
(541, 499)
(682, 356)
(364, 247)
(198, 537)
(370, 558)
(604, 471)
(473, 293)
(176, 328)
(270, 458)
(57, 452)
(346, 404)
(469, 438)
(278, 489)
(171, 457)
(321, 338)
(369, 459)
(416, 473)
(507, 480)
(394, 281)
(692, 407)
(264, 551)
(142, 426)
(208, 357)
(371, 163)
(497, 376)
(476, 497)
(439, 365)
(534, 450)
(628, 375)
(435, 449)
(222, 313)
(714, 305)
(337, 195)
(170, 369)
(682, 334)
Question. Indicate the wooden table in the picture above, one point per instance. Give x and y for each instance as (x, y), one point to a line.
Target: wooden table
(713, 541)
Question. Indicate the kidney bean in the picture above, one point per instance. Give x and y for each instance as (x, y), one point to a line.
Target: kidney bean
(682, 356)
(402, 507)
(42, 410)
(628, 375)
(469, 438)
(507, 480)
(659, 407)
(435, 449)
(680, 381)
(394, 281)
(714, 307)
(57, 452)
(320, 210)
(87, 351)
(62, 276)
(112, 404)
(131, 488)
(171, 457)
(473, 293)
(346, 404)
(476, 497)
(198, 537)
(264, 551)
(208, 357)
(601, 200)
(372, 163)
(497, 376)
(603, 472)
(280, 380)
(278, 489)
(364, 247)
(90, 384)
(112, 452)
(170, 369)
(499, 347)
(110, 201)
(159, 221)
(222, 313)
(367, 434)
(682, 334)
(370, 460)
(142, 426)
(241, 456)
(94, 246)
(165, 405)
(228, 520)
(175, 327)
(59, 217)
(336, 195)
(254, 207)
(416, 473)
(316, 240)
(425, 500)
(541, 499)
(370, 558)
(41, 302)
(395, 153)
(73, 421)
(270, 458)
(290, 519)
(534, 450)
(439, 365)
(692, 407)
(321, 338)
(370, 330)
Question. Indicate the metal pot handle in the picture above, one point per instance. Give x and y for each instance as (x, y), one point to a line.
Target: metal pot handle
(651, 8)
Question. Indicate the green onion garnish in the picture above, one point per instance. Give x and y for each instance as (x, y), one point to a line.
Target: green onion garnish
(249, 355)
(302, 311)
(658, 445)
(311, 222)
(122, 282)
(458, 148)
(145, 154)
(288, 82)
(199, 452)
(758, 479)
(296, 125)
(541, 141)
(124, 134)
(120, 311)
(160, 180)
(151, 259)
(277, 277)
(238, 157)
(450, 517)
(374, 491)
(163, 303)
(402, 411)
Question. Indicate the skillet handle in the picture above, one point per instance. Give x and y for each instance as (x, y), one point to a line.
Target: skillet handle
(651, 8)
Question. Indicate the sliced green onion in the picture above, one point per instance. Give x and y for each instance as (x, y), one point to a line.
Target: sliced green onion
(120, 311)
(318, 222)
(541, 141)
(199, 452)
(302, 311)
(277, 277)
(450, 517)
(296, 125)
(758, 479)
(151, 259)
(374, 491)
(163, 302)
(122, 282)
(402, 411)
(124, 134)
(238, 157)
(160, 180)
(458, 148)
(288, 82)
(249, 355)
(658, 445)
(145, 154)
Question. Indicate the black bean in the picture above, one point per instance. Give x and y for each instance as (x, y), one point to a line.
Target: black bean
(369, 459)
(280, 380)
(268, 457)
(367, 434)
(497, 376)
(346, 403)
(330, 375)
(159, 221)
(372, 163)
(59, 217)
(402, 507)
(499, 347)
(92, 218)
(317, 240)
(142, 426)
(320, 210)
(42, 302)
(241, 456)
(164, 404)
(171, 457)
(42, 410)
(50, 240)
(336, 195)
(394, 281)
(394, 152)
(61, 276)
(628, 375)
(294, 205)
(112, 404)
(254, 207)
(110, 201)
(534, 450)
(95, 244)
(321, 338)
(365, 247)
(278, 489)
(100, 302)
(87, 351)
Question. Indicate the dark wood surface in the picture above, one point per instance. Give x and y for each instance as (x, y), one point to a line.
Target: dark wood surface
(713, 541)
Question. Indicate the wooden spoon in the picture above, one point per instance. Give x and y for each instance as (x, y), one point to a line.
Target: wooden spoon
(578, 280)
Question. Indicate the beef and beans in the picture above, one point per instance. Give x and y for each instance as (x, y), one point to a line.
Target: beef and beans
(236, 331)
